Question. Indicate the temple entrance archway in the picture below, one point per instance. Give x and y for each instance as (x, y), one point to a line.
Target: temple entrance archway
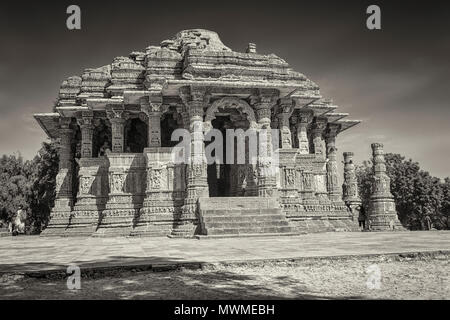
(236, 178)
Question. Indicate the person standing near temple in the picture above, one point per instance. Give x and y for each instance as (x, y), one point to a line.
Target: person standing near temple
(17, 224)
(362, 218)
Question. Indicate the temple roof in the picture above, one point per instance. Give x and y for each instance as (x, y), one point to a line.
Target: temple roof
(194, 57)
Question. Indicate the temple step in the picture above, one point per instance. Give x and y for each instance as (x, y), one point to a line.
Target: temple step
(242, 216)
(253, 218)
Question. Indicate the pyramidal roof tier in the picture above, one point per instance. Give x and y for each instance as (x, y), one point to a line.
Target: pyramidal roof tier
(194, 57)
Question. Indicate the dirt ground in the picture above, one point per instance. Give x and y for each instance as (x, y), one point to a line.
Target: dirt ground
(384, 277)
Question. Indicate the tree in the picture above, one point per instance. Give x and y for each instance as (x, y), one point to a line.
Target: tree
(14, 185)
(445, 208)
(417, 194)
(43, 181)
(30, 184)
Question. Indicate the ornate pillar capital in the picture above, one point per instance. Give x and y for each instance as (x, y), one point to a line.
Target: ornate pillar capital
(85, 122)
(263, 101)
(65, 124)
(195, 100)
(318, 126)
(332, 130)
(330, 137)
(304, 118)
(117, 114)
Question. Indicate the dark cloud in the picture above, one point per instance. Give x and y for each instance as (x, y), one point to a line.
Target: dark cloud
(396, 79)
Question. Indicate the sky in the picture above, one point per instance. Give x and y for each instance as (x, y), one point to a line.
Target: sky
(396, 80)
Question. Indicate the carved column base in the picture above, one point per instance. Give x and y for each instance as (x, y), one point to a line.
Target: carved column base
(117, 222)
(186, 225)
(383, 216)
(85, 219)
(157, 218)
(59, 218)
(267, 187)
(83, 223)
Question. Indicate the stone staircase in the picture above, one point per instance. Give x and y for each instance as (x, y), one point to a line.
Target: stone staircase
(242, 216)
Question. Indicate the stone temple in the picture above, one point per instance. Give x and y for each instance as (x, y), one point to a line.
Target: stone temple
(116, 173)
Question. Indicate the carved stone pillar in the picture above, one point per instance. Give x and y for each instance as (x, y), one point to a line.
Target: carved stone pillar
(195, 100)
(267, 186)
(60, 213)
(117, 117)
(334, 191)
(302, 133)
(153, 110)
(382, 214)
(87, 130)
(287, 108)
(64, 196)
(350, 186)
(317, 131)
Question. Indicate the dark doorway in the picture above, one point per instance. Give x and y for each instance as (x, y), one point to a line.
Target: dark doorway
(225, 179)
(136, 136)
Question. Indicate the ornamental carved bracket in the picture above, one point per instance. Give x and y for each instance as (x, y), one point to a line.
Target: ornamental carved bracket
(116, 113)
(194, 95)
(332, 130)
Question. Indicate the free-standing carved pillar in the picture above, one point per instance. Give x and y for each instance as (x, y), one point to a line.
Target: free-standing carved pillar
(317, 131)
(302, 133)
(382, 212)
(283, 123)
(267, 186)
(117, 117)
(334, 191)
(350, 186)
(60, 214)
(87, 130)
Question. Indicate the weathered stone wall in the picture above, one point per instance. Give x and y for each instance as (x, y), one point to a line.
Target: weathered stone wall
(164, 195)
(304, 197)
(126, 177)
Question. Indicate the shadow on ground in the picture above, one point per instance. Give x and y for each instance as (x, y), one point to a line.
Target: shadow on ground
(140, 282)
